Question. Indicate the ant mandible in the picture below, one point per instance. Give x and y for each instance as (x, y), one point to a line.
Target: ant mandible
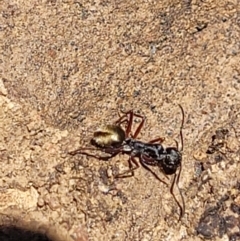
(113, 140)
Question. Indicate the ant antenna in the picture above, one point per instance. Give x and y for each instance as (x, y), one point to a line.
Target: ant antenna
(177, 176)
(181, 127)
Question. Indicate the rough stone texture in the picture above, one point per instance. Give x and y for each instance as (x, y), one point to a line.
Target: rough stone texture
(67, 67)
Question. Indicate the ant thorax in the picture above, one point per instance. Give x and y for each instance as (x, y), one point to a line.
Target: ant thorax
(138, 148)
(108, 136)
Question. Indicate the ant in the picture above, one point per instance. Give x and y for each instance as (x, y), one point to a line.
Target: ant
(113, 140)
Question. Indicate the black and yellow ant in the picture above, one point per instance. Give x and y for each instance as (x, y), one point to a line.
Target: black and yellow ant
(113, 140)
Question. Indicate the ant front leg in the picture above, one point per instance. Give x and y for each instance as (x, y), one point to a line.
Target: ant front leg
(148, 161)
(131, 169)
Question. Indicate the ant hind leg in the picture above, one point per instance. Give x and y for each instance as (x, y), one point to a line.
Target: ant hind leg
(83, 151)
(157, 140)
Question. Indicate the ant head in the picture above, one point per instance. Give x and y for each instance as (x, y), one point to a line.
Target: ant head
(172, 160)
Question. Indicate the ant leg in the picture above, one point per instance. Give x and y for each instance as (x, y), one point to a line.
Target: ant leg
(130, 122)
(81, 150)
(106, 150)
(159, 140)
(151, 162)
(118, 123)
(140, 125)
(121, 120)
(127, 119)
(144, 163)
(131, 169)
